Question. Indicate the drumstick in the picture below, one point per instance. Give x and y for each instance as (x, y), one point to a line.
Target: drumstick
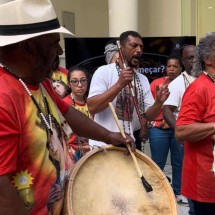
(146, 185)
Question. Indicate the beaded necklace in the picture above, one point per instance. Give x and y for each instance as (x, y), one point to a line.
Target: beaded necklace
(85, 105)
(186, 81)
(137, 87)
(46, 119)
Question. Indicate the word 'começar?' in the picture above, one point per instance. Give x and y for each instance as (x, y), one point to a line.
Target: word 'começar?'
(152, 70)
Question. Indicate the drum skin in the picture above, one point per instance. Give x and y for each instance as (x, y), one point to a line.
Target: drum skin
(106, 182)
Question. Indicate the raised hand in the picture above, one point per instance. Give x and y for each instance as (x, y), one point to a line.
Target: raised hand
(162, 92)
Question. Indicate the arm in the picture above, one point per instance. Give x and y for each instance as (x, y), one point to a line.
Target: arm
(100, 102)
(194, 132)
(85, 127)
(153, 111)
(168, 115)
(10, 201)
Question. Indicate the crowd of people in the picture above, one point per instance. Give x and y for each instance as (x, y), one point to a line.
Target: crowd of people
(50, 117)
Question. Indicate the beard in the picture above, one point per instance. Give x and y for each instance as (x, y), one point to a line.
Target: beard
(134, 63)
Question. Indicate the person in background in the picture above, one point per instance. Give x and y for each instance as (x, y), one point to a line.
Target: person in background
(34, 162)
(161, 136)
(78, 80)
(172, 105)
(111, 52)
(195, 128)
(110, 84)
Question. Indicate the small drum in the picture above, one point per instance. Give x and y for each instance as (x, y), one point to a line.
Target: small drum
(106, 182)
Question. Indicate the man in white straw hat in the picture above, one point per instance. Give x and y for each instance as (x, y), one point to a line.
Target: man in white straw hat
(33, 159)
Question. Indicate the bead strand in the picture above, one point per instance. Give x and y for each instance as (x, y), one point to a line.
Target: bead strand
(48, 124)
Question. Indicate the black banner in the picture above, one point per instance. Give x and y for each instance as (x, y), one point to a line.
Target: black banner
(89, 53)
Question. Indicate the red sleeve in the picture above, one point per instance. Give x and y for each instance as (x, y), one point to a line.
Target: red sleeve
(9, 136)
(63, 107)
(153, 87)
(63, 70)
(68, 100)
(193, 106)
(155, 83)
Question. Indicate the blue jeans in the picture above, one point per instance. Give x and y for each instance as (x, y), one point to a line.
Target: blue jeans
(203, 208)
(161, 141)
(191, 206)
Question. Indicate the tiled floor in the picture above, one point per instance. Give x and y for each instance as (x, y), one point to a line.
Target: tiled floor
(182, 210)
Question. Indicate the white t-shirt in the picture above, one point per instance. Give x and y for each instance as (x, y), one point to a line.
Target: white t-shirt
(105, 77)
(177, 88)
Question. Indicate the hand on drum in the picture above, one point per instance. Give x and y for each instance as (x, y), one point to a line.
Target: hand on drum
(116, 139)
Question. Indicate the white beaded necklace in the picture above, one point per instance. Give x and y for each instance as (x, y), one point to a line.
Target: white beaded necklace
(48, 122)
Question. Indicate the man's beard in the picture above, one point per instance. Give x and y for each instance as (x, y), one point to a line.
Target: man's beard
(130, 64)
(195, 72)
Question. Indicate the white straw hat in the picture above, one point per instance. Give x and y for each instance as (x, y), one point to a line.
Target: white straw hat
(24, 19)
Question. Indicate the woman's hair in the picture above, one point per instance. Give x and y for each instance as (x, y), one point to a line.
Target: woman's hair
(78, 68)
(174, 57)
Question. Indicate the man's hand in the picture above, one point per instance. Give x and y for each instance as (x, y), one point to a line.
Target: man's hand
(126, 76)
(116, 139)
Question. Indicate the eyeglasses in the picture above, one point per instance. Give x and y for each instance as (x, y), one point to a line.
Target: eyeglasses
(76, 82)
(189, 59)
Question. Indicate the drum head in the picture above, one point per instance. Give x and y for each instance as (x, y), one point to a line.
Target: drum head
(106, 182)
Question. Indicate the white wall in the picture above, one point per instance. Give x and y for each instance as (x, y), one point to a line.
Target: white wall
(160, 17)
(206, 17)
(156, 17)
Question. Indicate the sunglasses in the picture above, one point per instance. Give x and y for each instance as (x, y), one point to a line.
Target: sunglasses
(83, 82)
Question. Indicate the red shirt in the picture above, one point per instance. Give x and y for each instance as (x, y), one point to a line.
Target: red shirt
(24, 151)
(159, 121)
(198, 105)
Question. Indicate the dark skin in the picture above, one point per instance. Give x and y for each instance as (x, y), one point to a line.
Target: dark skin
(32, 60)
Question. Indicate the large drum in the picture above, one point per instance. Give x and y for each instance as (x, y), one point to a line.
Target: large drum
(106, 182)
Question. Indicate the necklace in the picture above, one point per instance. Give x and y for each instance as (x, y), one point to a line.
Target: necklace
(47, 120)
(85, 111)
(212, 79)
(138, 90)
(126, 110)
(187, 79)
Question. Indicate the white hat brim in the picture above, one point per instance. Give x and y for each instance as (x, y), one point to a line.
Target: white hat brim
(7, 40)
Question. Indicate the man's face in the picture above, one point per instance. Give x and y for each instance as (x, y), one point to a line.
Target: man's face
(48, 48)
(132, 50)
(188, 58)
